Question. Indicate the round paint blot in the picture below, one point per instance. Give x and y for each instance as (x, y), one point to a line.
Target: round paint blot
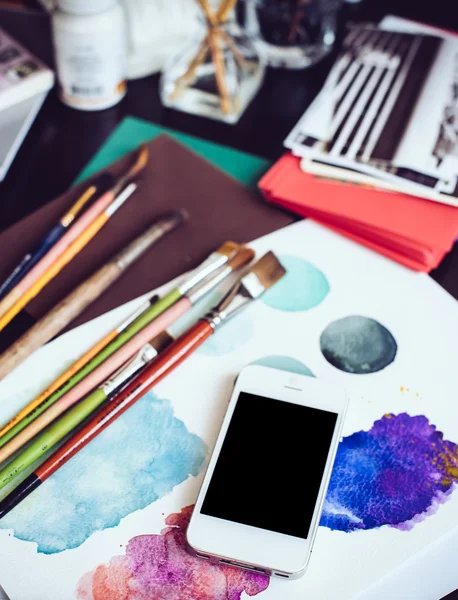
(302, 288)
(284, 363)
(358, 344)
(229, 338)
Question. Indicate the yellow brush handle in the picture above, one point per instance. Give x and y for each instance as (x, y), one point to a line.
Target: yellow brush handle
(55, 269)
(78, 206)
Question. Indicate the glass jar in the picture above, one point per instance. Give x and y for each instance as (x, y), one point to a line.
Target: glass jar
(216, 76)
(291, 33)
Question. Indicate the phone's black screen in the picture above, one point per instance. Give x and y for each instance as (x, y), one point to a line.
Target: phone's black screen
(270, 467)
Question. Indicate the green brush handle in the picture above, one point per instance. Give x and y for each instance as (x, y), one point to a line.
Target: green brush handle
(151, 313)
(52, 435)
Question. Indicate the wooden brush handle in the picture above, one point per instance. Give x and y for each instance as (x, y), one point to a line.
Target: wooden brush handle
(58, 318)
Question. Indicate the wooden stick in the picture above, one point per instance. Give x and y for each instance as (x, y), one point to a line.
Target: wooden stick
(224, 9)
(218, 60)
(243, 63)
(188, 77)
(214, 41)
(209, 15)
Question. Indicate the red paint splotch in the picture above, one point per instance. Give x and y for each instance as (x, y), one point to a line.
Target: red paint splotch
(158, 567)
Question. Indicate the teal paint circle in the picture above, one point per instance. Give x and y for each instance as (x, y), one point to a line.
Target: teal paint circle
(302, 288)
(284, 363)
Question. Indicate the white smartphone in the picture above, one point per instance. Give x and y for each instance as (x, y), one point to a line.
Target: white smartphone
(262, 495)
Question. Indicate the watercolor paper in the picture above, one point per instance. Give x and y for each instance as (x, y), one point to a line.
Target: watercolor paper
(110, 524)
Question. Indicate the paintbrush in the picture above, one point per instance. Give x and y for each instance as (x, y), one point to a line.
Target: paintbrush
(212, 264)
(68, 255)
(35, 426)
(75, 416)
(72, 234)
(88, 291)
(263, 275)
(70, 377)
(98, 186)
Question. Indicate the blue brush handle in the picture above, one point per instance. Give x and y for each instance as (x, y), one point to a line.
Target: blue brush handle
(31, 259)
(102, 183)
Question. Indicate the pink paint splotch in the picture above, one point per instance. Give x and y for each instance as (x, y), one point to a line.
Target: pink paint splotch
(158, 567)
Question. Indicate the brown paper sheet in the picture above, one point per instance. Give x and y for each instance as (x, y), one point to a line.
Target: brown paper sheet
(219, 209)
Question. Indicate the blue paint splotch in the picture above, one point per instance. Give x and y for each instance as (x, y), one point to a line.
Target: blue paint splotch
(357, 344)
(395, 474)
(140, 458)
(284, 363)
(302, 288)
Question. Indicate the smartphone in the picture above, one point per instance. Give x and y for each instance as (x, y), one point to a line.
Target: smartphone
(260, 502)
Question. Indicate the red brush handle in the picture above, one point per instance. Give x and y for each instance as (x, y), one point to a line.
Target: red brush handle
(168, 360)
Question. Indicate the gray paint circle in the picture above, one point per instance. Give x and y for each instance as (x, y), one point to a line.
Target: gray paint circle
(357, 344)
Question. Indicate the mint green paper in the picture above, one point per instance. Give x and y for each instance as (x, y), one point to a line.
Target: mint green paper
(246, 168)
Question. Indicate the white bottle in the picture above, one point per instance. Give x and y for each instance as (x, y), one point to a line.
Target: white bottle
(90, 47)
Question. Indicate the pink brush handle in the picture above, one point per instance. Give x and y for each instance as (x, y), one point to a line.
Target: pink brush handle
(57, 250)
(98, 375)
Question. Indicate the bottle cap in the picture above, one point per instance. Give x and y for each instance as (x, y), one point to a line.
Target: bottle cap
(85, 7)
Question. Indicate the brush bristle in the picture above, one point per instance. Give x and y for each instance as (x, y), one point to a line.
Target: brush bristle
(229, 249)
(268, 270)
(161, 341)
(140, 161)
(242, 258)
(138, 164)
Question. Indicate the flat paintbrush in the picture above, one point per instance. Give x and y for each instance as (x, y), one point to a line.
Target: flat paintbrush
(211, 265)
(85, 221)
(241, 259)
(98, 186)
(78, 300)
(264, 274)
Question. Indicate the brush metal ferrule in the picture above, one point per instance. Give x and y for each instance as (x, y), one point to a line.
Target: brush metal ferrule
(217, 317)
(140, 310)
(242, 293)
(119, 201)
(211, 264)
(252, 285)
(144, 356)
(207, 286)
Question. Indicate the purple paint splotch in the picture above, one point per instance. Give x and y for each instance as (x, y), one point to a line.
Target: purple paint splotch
(158, 567)
(395, 474)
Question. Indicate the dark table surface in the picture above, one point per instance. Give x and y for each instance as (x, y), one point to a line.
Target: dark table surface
(62, 140)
